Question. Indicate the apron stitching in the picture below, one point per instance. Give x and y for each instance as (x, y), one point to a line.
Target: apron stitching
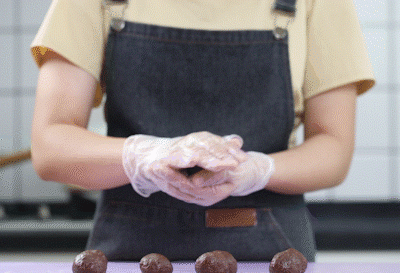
(154, 207)
(121, 216)
(202, 42)
(276, 229)
(290, 97)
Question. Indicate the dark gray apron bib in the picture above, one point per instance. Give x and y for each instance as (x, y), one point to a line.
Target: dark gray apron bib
(170, 82)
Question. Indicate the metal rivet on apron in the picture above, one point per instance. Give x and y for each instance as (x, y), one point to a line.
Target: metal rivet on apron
(280, 33)
(117, 24)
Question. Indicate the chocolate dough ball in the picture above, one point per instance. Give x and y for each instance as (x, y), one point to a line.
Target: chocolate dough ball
(212, 262)
(288, 261)
(155, 263)
(232, 263)
(90, 261)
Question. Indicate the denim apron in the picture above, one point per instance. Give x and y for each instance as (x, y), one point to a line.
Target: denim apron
(170, 82)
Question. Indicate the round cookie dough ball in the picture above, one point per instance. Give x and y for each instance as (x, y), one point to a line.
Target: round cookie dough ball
(288, 261)
(155, 263)
(90, 261)
(232, 263)
(212, 262)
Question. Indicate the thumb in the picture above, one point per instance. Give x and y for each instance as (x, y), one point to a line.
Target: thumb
(235, 139)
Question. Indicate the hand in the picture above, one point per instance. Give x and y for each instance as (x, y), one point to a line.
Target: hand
(153, 163)
(250, 176)
(207, 151)
(207, 177)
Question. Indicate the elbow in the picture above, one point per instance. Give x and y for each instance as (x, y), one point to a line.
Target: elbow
(347, 160)
(339, 162)
(44, 157)
(341, 177)
(344, 151)
(40, 167)
(42, 164)
(342, 172)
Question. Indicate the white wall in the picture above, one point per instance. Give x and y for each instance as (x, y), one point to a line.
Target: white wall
(374, 173)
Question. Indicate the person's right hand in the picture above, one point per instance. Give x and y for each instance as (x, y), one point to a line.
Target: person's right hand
(249, 177)
(154, 163)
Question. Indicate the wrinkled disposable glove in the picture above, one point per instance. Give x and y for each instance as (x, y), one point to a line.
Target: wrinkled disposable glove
(250, 176)
(153, 163)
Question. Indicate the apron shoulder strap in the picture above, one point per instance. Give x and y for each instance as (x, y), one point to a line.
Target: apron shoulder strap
(287, 10)
(116, 8)
(285, 6)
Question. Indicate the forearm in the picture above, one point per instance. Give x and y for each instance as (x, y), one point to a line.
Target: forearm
(73, 155)
(323, 160)
(320, 162)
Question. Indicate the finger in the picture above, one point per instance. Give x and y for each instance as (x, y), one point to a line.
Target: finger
(220, 149)
(235, 139)
(235, 144)
(207, 150)
(188, 158)
(199, 142)
(177, 186)
(207, 178)
(211, 195)
(200, 158)
(226, 147)
(222, 190)
(178, 194)
(204, 196)
(180, 160)
(164, 175)
(216, 165)
(214, 144)
(206, 203)
(190, 194)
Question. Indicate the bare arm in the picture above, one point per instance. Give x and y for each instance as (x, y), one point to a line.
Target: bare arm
(63, 150)
(323, 160)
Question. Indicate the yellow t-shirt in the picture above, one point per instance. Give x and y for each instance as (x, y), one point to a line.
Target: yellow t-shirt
(326, 45)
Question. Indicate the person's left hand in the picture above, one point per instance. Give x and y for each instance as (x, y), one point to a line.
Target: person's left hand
(250, 176)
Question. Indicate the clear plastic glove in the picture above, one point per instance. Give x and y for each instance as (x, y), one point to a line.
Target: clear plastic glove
(217, 176)
(207, 151)
(153, 163)
(250, 176)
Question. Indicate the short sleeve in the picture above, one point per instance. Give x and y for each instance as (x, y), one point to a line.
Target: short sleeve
(336, 53)
(73, 29)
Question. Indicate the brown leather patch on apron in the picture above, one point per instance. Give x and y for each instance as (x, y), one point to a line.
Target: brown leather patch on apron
(238, 217)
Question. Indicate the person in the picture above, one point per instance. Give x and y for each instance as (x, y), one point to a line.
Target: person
(203, 102)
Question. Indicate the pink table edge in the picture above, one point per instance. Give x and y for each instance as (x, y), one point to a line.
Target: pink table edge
(180, 267)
